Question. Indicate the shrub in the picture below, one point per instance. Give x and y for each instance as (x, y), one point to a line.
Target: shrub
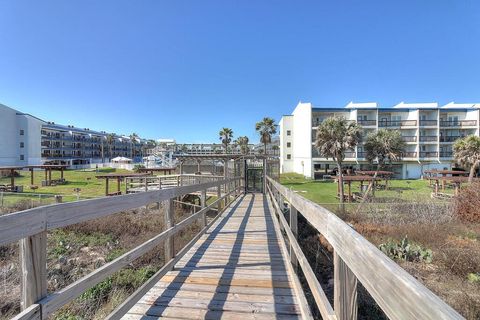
(407, 251)
(137, 167)
(467, 203)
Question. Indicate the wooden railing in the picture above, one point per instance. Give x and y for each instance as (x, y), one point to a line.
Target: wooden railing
(147, 183)
(397, 293)
(30, 228)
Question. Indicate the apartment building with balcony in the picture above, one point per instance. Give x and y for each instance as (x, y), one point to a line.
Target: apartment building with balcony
(28, 140)
(428, 129)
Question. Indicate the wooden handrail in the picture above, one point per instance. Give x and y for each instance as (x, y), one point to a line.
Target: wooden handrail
(21, 224)
(31, 226)
(397, 293)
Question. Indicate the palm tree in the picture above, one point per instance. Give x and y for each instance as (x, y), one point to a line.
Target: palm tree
(467, 152)
(110, 142)
(266, 128)
(133, 138)
(384, 146)
(226, 135)
(335, 135)
(275, 149)
(242, 142)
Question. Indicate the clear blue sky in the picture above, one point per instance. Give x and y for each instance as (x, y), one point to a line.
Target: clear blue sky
(184, 69)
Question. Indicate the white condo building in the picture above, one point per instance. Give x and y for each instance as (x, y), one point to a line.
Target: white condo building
(27, 140)
(428, 129)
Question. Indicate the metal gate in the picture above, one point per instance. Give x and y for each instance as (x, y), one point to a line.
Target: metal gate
(254, 176)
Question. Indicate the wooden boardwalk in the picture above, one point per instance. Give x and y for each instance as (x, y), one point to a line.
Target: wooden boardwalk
(239, 269)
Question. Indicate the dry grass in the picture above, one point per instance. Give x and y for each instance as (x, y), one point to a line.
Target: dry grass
(77, 250)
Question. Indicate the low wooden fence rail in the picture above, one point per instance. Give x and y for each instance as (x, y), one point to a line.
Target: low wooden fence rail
(397, 293)
(30, 228)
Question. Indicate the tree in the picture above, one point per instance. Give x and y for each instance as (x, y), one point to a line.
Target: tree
(226, 135)
(266, 128)
(242, 142)
(133, 138)
(335, 135)
(384, 146)
(110, 142)
(275, 149)
(466, 152)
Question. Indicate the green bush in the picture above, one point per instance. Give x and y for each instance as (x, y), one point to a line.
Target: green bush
(137, 167)
(407, 251)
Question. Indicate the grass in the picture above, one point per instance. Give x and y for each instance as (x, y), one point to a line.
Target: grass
(83, 179)
(325, 191)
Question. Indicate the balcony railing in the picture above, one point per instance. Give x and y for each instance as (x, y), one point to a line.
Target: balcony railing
(428, 154)
(409, 138)
(367, 122)
(428, 122)
(449, 138)
(428, 138)
(458, 123)
(446, 154)
(350, 154)
(409, 154)
(361, 154)
(397, 123)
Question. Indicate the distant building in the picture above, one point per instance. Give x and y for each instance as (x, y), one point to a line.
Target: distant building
(28, 140)
(428, 129)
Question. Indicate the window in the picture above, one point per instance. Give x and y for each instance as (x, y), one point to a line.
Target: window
(289, 133)
(22, 132)
(289, 156)
(22, 145)
(22, 157)
(289, 144)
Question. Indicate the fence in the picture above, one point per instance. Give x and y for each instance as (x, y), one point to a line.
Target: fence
(397, 293)
(30, 228)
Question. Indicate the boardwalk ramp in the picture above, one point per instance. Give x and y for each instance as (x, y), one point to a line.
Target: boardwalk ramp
(238, 269)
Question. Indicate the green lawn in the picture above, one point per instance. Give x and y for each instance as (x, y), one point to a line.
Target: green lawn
(325, 191)
(85, 180)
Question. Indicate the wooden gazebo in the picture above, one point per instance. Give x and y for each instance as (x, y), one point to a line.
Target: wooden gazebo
(48, 175)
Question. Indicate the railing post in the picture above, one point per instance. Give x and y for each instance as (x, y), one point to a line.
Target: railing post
(294, 228)
(219, 195)
(33, 259)
(345, 290)
(203, 202)
(169, 222)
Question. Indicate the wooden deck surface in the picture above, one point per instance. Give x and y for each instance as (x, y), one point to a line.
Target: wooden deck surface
(239, 269)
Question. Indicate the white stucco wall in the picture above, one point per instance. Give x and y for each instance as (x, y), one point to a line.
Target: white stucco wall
(286, 124)
(9, 137)
(302, 139)
(11, 122)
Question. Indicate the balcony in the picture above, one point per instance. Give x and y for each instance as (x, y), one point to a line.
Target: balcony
(428, 138)
(428, 123)
(350, 154)
(367, 123)
(458, 123)
(409, 154)
(409, 138)
(449, 138)
(428, 154)
(361, 154)
(397, 123)
(446, 154)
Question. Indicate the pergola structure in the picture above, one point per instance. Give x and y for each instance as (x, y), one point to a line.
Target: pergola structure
(119, 177)
(216, 157)
(432, 174)
(157, 170)
(456, 181)
(48, 174)
(348, 181)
